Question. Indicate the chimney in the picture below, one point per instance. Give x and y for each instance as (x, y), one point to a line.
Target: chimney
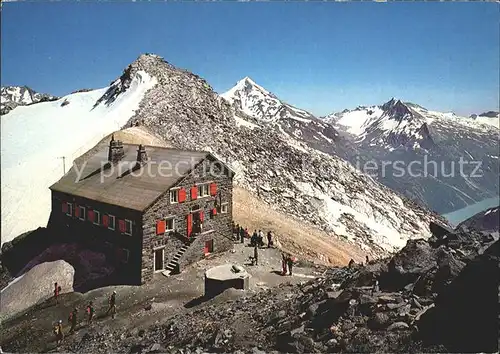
(142, 156)
(116, 152)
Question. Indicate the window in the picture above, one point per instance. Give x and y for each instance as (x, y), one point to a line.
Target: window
(170, 224)
(126, 255)
(128, 227)
(223, 208)
(97, 217)
(81, 210)
(112, 221)
(70, 209)
(203, 190)
(174, 196)
(123, 255)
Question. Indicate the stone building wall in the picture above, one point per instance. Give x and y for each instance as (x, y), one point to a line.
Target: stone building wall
(219, 224)
(98, 237)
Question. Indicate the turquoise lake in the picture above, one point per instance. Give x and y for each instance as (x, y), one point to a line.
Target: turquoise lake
(457, 216)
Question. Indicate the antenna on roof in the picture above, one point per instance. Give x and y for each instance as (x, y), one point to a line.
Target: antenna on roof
(64, 163)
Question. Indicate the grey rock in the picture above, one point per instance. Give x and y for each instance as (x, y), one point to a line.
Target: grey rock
(396, 326)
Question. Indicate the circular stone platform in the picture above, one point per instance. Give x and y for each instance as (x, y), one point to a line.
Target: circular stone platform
(225, 276)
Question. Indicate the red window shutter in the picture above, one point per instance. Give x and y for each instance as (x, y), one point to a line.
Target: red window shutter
(182, 195)
(214, 211)
(91, 215)
(213, 189)
(161, 227)
(201, 216)
(105, 220)
(194, 193)
(189, 222)
(65, 207)
(121, 225)
(77, 211)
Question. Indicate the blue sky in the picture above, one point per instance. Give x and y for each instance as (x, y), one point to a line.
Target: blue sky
(318, 56)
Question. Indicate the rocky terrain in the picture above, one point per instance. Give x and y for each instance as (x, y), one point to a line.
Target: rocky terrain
(394, 131)
(436, 295)
(403, 135)
(487, 220)
(285, 173)
(13, 96)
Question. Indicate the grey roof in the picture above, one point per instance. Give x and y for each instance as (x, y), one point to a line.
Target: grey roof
(136, 190)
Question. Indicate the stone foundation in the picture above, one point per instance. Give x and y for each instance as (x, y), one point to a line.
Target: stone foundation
(224, 277)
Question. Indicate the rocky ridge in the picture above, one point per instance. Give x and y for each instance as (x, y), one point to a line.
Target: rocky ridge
(454, 160)
(289, 175)
(256, 101)
(13, 96)
(487, 220)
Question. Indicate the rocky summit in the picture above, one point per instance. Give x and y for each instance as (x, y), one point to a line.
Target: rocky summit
(285, 173)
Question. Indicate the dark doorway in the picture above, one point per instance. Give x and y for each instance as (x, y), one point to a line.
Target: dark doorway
(209, 247)
(197, 222)
(158, 261)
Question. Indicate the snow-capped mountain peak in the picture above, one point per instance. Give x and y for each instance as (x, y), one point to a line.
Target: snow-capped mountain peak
(259, 103)
(397, 110)
(79, 121)
(13, 96)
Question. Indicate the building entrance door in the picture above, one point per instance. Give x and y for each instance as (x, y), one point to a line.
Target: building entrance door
(158, 259)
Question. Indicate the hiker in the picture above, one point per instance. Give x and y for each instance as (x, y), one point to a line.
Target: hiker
(90, 313)
(73, 319)
(247, 234)
(283, 263)
(58, 331)
(256, 254)
(233, 226)
(367, 260)
(260, 238)
(112, 305)
(290, 264)
(57, 291)
(242, 234)
(269, 239)
(375, 288)
(236, 230)
(253, 239)
(351, 263)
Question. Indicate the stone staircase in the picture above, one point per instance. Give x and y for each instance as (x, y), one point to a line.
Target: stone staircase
(173, 266)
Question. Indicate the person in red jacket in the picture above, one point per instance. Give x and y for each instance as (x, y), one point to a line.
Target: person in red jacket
(57, 291)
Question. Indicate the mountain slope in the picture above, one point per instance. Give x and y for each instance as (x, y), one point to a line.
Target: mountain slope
(256, 107)
(490, 117)
(429, 147)
(486, 220)
(256, 101)
(13, 96)
(35, 137)
(285, 173)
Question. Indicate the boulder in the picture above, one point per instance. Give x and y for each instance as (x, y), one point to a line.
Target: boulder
(35, 286)
(465, 315)
(379, 320)
(416, 258)
(396, 326)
